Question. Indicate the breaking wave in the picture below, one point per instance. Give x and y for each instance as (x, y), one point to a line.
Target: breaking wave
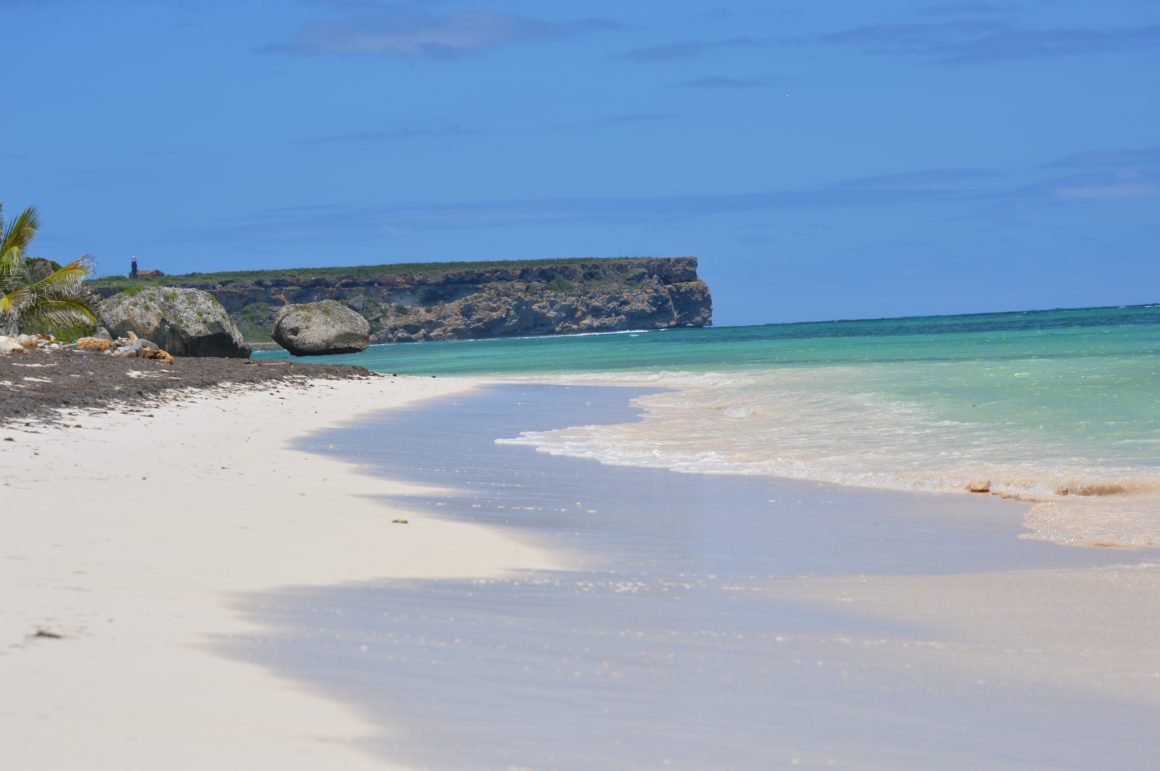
(1095, 482)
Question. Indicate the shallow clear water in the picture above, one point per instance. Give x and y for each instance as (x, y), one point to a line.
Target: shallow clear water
(665, 647)
(1056, 407)
(1032, 334)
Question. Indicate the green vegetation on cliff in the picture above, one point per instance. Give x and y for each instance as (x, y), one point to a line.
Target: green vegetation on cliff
(122, 283)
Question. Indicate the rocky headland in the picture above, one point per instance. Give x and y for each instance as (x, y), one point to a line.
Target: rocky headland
(447, 301)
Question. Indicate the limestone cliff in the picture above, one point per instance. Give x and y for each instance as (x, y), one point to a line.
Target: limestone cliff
(450, 301)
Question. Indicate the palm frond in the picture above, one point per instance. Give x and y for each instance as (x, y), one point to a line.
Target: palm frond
(62, 281)
(13, 302)
(21, 231)
(59, 312)
(12, 266)
(56, 301)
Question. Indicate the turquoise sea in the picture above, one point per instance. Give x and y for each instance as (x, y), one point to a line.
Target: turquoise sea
(1060, 408)
(674, 633)
(683, 631)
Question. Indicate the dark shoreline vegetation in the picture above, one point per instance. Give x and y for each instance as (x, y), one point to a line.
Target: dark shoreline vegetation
(35, 385)
(388, 269)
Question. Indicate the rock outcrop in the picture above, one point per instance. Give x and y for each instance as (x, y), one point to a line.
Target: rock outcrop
(521, 308)
(315, 329)
(185, 322)
(457, 301)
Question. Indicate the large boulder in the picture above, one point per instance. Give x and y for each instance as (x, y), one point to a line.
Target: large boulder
(315, 329)
(185, 322)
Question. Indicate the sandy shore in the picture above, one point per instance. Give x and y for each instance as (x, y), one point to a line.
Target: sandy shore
(126, 536)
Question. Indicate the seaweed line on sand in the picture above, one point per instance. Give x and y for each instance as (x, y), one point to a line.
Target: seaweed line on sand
(44, 386)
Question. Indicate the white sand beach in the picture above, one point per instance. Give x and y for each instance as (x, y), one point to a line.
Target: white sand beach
(126, 536)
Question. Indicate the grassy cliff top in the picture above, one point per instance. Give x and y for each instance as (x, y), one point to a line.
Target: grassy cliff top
(192, 279)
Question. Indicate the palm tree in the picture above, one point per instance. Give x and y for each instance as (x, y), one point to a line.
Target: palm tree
(54, 301)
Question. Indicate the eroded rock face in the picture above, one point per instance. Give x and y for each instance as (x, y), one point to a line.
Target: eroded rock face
(454, 303)
(185, 322)
(521, 309)
(321, 328)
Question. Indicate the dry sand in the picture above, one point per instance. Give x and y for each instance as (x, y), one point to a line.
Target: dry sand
(127, 537)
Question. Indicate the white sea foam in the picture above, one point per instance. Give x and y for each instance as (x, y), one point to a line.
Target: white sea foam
(845, 425)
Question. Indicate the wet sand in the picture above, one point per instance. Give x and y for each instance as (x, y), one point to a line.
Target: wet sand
(715, 621)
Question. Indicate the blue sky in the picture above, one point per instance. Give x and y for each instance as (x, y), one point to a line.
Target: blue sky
(824, 159)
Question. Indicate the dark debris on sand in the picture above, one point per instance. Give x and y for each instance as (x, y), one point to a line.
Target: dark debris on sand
(38, 383)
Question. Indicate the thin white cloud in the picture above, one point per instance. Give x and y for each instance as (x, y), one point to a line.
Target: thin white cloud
(1148, 157)
(982, 41)
(687, 49)
(398, 131)
(726, 82)
(644, 117)
(1108, 192)
(947, 187)
(963, 9)
(926, 178)
(400, 33)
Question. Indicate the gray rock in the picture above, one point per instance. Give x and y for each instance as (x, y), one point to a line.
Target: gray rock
(315, 329)
(185, 322)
